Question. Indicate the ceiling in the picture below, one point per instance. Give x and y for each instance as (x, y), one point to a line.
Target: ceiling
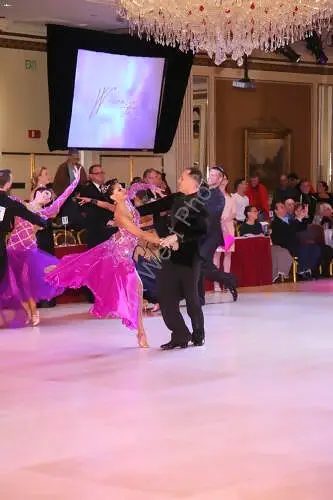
(95, 14)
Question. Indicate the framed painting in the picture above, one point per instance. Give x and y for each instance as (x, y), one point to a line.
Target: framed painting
(267, 153)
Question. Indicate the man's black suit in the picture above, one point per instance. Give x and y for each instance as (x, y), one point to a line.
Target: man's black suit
(9, 209)
(180, 273)
(96, 217)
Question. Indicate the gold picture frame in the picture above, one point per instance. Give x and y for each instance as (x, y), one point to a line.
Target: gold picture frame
(267, 153)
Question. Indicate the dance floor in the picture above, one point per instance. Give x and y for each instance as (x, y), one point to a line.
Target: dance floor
(85, 415)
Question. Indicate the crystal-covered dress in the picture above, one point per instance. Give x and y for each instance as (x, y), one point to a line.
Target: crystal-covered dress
(108, 270)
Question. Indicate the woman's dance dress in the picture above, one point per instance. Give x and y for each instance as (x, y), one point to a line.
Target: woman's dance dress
(108, 270)
(26, 263)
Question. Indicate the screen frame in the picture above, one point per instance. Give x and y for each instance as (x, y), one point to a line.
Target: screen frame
(62, 45)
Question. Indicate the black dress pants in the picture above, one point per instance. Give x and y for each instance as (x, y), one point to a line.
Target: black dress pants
(210, 272)
(174, 282)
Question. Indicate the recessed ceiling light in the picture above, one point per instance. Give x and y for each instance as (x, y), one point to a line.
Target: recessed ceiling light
(5, 4)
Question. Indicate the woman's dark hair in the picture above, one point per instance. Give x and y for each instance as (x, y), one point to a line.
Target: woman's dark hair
(110, 185)
(324, 184)
(238, 182)
(247, 210)
(42, 189)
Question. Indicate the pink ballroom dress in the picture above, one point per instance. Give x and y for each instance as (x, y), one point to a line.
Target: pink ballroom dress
(26, 264)
(108, 270)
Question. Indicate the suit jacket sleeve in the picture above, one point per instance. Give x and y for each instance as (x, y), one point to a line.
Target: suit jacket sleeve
(156, 207)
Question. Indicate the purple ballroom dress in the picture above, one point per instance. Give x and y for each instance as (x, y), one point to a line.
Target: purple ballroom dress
(26, 264)
(108, 270)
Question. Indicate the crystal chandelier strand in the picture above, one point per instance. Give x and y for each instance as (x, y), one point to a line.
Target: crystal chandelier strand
(226, 28)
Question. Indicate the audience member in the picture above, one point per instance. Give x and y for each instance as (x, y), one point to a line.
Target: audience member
(63, 178)
(251, 224)
(258, 196)
(306, 198)
(96, 218)
(65, 173)
(290, 206)
(241, 200)
(282, 192)
(228, 227)
(286, 234)
(40, 178)
(322, 195)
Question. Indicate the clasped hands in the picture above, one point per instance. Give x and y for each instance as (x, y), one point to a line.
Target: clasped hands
(170, 242)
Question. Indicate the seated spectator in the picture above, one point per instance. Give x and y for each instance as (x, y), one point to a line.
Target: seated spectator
(251, 224)
(290, 206)
(287, 235)
(258, 196)
(242, 201)
(322, 195)
(96, 218)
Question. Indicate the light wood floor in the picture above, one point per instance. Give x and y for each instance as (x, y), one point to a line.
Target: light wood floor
(85, 415)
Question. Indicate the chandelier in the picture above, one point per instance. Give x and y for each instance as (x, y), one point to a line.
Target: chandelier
(226, 28)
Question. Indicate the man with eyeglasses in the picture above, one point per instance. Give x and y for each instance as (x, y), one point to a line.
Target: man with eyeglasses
(96, 218)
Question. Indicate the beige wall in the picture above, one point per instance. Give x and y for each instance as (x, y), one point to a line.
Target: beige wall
(272, 105)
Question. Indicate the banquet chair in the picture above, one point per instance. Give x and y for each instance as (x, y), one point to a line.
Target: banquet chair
(62, 238)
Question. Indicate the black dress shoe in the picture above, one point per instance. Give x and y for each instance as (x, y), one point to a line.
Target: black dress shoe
(173, 345)
(198, 343)
(233, 292)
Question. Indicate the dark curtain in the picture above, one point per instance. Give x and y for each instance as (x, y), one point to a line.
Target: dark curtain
(62, 46)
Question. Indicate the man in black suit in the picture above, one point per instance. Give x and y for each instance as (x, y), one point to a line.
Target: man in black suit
(96, 217)
(9, 209)
(214, 204)
(180, 269)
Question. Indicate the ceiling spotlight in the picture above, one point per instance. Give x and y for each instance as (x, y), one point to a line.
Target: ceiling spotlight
(288, 52)
(5, 4)
(315, 45)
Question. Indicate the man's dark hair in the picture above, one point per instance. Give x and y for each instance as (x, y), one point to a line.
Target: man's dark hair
(91, 169)
(147, 172)
(238, 182)
(276, 204)
(135, 180)
(195, 173)
(292, 176)
(5, 176)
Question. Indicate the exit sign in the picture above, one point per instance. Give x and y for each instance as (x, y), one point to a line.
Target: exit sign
(30, 64)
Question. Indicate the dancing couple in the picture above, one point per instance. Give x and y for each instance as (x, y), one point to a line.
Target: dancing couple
(108, 270)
